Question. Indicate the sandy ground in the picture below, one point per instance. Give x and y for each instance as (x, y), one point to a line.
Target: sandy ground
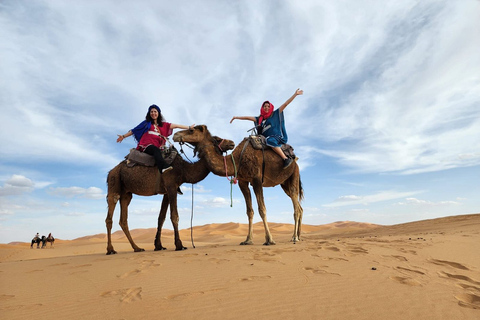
(421, 270)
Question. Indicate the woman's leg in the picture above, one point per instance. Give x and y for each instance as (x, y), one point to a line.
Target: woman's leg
(286, 161)
(279, 151)
(157, 154)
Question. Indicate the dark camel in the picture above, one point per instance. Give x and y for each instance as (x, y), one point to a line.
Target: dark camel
(124, 181)
(249, 166)
(50, 239)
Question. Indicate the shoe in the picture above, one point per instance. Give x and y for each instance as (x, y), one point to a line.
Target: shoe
(166, 169)
(287, 162)
(179, 191)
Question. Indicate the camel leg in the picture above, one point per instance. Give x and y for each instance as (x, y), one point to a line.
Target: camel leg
(111, 201)
(124, 202)
(292, 188)
(172, 195)
(262, 210)
(248, 203)
(161, 219)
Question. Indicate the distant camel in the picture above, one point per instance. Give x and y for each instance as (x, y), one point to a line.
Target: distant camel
(37, 239)
(50, 239)
(124, 181)
(249, 162)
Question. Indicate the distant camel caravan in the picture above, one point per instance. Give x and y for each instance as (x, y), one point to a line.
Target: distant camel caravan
(249, 162)
(37, 240)
(124, 181)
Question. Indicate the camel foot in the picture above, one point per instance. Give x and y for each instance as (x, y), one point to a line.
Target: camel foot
(111, 252)
(181, 249)
(159, 249)
(246, 243)
(138, 250)
(269, 243)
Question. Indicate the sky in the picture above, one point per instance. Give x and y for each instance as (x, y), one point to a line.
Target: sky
(387, 130)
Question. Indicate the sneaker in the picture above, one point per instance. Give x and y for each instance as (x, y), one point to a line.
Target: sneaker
(287, 162)
(179, 191)
(166, 169)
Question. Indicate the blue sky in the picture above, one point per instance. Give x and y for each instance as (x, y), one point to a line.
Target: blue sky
(387, 130)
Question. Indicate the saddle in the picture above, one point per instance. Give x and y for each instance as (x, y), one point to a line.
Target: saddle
(136, 157)
(258, 142)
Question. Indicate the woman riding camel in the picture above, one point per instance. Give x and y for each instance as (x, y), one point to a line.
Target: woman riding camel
(151, 135)
(271, 124)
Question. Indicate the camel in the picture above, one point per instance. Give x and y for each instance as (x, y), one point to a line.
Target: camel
(124, 181)
(249, 162)
(36, 240)
(50, 239)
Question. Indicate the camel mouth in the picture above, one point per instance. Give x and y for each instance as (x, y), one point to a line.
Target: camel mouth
(177, 137)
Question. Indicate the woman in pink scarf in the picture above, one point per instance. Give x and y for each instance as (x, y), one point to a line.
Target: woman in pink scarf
(271, 124)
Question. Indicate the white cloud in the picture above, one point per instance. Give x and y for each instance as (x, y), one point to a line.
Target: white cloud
(16, 185)
(217, 202)
(70, 192)
(415, 201)
(368, 199)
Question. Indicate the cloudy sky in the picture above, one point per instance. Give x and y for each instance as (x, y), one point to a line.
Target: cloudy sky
(387, 130)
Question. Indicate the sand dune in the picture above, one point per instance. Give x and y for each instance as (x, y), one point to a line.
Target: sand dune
(344, 270)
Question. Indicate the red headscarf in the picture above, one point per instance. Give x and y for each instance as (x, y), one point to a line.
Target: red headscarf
(263, 114)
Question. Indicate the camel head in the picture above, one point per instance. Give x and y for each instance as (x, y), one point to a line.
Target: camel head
(199, 135)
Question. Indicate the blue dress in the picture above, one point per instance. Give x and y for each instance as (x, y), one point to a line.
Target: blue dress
(275, 135)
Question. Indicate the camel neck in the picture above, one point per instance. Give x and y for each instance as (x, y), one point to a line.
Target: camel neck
(196, 172)
(221, 165)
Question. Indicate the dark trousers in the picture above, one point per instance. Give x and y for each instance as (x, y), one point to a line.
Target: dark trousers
(157, 154)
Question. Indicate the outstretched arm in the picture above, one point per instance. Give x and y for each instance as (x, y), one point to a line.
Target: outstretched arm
(286, 103)
(180, 126)
(243, 118)
(123, 136)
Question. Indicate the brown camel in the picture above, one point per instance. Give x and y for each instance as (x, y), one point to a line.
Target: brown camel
(248, 162)
(124, 181)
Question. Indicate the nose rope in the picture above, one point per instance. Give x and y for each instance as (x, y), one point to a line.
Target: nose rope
(220, 145)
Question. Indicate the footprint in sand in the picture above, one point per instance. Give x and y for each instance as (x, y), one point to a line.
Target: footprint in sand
(256, 278)
(218, 261)
(410, 270)
(399, 258)
(328, 258)
(407, 280)
(126, 295)
(455, 265)
(4, 297)
(266, 256)
(146, 264)
(468, 287)
(458, 277)
(468, 300)
(182, 296)
(317, 270)
(36, 270)
(333, 249)
(357, 250)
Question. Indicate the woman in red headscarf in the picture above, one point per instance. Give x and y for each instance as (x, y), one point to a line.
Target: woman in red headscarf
(271, 124)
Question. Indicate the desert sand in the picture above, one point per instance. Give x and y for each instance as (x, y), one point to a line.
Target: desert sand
(345, 270)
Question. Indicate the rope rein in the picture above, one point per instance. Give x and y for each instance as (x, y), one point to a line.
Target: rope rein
(191, 216)
(232, 180)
